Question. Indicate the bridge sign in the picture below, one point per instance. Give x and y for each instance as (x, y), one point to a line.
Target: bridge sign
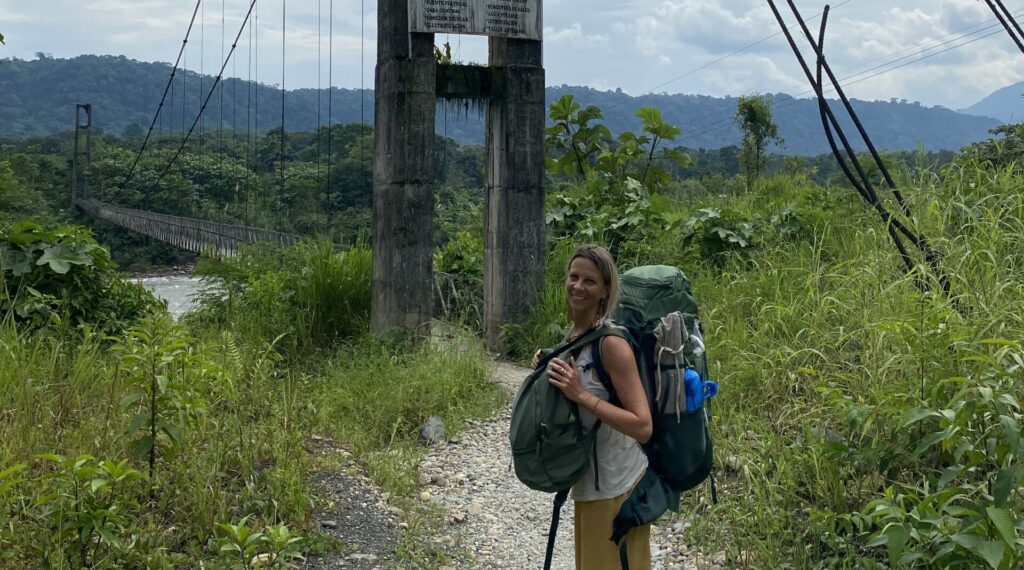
(504, 18)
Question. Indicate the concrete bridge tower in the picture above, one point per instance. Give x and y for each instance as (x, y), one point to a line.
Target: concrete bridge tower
(408, 83)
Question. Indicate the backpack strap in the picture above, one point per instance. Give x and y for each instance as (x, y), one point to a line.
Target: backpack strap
(553, 531)
(602, 372)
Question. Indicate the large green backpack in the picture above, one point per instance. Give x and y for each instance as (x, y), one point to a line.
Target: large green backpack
(679, 452)
(680, 449)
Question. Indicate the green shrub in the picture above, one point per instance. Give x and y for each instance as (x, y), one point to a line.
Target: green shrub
(310, 293)
(48, 276)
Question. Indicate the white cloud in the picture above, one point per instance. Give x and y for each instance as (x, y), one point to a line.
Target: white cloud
(574, 36)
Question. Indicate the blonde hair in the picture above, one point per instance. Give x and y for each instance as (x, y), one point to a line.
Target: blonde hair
(605, 264)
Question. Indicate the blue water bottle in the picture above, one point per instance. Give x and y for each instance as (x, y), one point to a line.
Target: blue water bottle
(694, 390)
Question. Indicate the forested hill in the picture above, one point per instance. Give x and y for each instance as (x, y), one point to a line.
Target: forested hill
(39, 98)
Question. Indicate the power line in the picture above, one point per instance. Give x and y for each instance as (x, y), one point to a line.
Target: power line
(858, 77)
(727, 56)
(284, 20)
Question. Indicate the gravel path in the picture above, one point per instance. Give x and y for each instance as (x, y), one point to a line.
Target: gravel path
(498, 520)
(352, 510)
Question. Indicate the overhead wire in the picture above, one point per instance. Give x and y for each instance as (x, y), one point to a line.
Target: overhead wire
(1002, 21)
(202, 77)
(858, 77)
(284, 20)
(720, 59)
(319, 107)
(329, 206)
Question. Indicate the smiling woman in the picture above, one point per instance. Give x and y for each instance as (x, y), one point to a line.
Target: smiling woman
(591, 287)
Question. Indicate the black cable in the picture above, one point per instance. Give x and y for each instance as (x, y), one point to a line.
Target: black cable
(248, 130)
(284, 4)
(321, 203)
(863, 190)
(329, 209)
(362, 93)
(170, 82)
(853, 114)
(202, 77)
(208, 96)
(1006, 25)
(256, 112)
(220, 114)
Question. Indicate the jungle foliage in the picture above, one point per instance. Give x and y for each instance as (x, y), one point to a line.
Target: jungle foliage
(863, 422)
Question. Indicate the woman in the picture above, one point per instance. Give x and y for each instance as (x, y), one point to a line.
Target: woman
(592, 286)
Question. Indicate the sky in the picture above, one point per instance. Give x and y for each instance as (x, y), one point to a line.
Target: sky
(639, 46)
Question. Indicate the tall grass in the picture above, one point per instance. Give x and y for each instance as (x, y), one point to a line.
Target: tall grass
(312, 294)
(283, 354)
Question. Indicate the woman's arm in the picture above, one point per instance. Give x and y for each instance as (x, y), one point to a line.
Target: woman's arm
(634, 417)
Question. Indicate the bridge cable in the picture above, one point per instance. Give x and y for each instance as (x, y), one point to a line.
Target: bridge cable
(170, 82)
(248, 129)
(209, 96)
(362, 95)
(202, 77)
(284, 4)
(256, 113)
(329, 209)
(319, 108)
(220, 122)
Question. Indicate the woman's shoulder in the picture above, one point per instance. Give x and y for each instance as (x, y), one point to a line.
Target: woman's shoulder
(615, 348)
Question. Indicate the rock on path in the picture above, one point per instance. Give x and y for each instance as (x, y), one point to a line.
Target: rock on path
(500, 522)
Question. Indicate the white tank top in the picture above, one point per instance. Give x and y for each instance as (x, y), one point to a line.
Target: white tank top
(620, 459)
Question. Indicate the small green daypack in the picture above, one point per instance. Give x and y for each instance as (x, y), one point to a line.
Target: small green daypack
(551, 449)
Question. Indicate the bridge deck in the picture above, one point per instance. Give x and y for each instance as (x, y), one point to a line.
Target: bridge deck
(189, 234)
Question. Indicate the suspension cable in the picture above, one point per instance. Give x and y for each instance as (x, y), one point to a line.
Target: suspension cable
(284, 4)
(208, 95)
(170, 82)
(330, 106)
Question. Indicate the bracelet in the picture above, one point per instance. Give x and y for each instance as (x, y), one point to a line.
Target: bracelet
(593, 409)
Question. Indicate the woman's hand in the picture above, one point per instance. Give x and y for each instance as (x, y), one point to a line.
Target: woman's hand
(536, 358)
(564, 376)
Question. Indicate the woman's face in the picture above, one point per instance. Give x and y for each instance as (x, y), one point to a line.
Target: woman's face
(584, 286)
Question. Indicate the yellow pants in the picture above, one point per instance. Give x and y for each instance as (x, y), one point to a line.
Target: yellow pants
(593, 527)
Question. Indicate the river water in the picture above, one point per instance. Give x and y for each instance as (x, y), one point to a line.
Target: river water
(180, 291)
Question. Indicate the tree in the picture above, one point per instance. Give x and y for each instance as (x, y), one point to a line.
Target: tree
(754, 118)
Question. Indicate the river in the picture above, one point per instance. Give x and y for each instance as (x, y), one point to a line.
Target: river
(180, 291)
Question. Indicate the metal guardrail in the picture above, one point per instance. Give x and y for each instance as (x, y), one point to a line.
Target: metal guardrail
(189, 234)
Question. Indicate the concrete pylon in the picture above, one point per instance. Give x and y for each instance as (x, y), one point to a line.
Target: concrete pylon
(514, 233)
(403, 173)
(408, 83)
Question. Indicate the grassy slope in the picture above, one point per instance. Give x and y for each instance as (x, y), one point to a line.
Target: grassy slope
(815, 343)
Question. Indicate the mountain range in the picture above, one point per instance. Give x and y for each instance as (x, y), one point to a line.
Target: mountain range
(1005, 104)
(40, 96)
